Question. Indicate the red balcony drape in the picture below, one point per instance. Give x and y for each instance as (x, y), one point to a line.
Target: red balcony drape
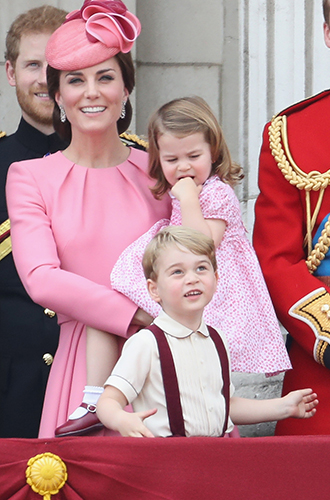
(115, 468)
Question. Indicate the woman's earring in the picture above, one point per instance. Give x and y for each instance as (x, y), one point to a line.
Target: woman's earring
(123, 110)
(62, 114)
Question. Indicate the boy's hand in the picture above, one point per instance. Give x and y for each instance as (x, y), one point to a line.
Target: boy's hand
(301, 403)
(131, 424)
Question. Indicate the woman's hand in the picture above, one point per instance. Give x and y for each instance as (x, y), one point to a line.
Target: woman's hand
(141, 318)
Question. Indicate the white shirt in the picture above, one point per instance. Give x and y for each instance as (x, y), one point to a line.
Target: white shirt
(137, 375)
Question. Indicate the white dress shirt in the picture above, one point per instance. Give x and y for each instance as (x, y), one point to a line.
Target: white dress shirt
(137, 375)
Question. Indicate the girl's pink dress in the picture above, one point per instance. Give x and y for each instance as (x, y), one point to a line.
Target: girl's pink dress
(69, 226)
(241, 306)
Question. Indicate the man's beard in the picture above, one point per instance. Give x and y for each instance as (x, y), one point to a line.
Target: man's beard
(39, 112)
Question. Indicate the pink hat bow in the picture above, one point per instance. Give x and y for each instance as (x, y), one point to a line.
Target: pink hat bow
(93, 34)
(108, 21)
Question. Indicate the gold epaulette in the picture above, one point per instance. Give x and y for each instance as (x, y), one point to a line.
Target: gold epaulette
(5, 239)
(312, 181)
(133, 140)
(314, 310)
(278, 143)
(2, 134)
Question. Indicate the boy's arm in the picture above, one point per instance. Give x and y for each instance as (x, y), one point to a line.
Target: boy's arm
(298, 404)
(110, 410)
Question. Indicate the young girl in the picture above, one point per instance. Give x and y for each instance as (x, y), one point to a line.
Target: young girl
(188, 156)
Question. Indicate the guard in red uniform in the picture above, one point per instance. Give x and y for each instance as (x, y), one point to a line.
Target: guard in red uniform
(294, 177)
(291, 210)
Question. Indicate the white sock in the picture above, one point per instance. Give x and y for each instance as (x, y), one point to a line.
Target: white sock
(91, 397)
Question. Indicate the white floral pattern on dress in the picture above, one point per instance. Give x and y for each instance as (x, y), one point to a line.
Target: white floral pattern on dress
(241, 306)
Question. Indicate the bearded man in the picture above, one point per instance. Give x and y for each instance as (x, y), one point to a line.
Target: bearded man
(28, 332)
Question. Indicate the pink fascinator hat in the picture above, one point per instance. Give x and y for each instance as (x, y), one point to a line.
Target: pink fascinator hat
(91, 35)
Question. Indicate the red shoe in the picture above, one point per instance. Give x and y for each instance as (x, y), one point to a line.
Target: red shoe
(82, 425)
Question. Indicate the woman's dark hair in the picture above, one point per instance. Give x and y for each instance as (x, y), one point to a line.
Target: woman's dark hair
(128, 73)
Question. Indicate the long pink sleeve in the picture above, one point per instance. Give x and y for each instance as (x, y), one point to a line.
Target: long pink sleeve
(69, 224)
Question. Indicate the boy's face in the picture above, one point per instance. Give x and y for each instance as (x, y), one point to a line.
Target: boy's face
(185, 285)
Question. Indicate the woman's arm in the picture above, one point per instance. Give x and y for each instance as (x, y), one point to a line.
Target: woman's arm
(39, 266)
(141, 318)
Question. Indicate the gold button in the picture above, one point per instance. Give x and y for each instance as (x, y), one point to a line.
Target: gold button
(48, 358)
(49, 312)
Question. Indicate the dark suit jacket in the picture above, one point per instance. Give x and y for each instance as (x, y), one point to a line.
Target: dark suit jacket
(26, 332)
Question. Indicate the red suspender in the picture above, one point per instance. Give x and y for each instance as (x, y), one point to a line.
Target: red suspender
(170, 381)
(224, 361)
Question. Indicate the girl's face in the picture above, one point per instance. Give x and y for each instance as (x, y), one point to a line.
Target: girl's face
(188, 156)
(93, 97)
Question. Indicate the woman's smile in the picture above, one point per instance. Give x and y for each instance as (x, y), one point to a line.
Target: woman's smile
(93, 109)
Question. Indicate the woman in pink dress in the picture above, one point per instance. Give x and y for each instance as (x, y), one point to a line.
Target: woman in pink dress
(73, 212)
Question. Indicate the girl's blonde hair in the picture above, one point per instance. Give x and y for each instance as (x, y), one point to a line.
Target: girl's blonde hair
(182, 117)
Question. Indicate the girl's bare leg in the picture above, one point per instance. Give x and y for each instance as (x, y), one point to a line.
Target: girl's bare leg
(102, 353)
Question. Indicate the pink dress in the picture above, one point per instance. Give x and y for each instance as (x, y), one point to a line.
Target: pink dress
(241, 306)
(69, 226)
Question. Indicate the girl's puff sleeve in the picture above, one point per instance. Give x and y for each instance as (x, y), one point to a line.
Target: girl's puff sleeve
(218, 201)
(38, 265)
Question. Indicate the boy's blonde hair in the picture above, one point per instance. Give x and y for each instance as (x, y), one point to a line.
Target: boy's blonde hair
(182, 117)
(196, 242)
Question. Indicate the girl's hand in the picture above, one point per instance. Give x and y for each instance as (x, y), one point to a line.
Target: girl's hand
(187, 193)
(301, 403)
(186, 188)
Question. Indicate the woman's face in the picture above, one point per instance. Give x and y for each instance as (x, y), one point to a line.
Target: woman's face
(93, 97)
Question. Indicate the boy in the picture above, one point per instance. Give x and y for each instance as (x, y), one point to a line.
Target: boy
(181, 272)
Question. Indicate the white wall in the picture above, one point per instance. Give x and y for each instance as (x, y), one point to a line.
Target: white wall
(283, 59)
